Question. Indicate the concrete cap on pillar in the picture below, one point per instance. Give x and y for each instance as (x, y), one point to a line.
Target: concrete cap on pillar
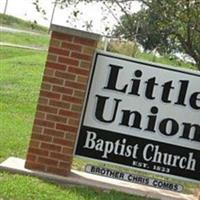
(75, 32)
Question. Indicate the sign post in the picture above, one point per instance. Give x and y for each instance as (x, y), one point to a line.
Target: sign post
(142, 116)
(60, 100)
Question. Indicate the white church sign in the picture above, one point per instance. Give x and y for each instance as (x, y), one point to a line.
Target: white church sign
(143, 116)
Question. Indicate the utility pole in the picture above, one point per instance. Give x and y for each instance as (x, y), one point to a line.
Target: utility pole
(105, 44)
(5, 8)
(53, 12)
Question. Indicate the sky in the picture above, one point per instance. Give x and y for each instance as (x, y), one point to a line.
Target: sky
(88, 13)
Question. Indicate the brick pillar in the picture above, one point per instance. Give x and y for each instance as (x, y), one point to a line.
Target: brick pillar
(198, 193)
(60, 101)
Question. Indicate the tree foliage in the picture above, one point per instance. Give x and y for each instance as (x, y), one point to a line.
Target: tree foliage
(168, 25)
(140, 26)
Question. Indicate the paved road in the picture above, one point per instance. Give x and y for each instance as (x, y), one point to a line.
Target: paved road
(14, 30)
(22, 46)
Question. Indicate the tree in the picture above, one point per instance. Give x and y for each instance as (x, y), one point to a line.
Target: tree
(168, 24)
(140, 27)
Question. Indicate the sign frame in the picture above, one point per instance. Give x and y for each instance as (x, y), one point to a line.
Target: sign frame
(149, 64)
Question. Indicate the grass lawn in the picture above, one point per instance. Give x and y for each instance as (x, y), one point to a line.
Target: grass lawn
(20, 78)
(19, 86)
(166, 60)
(25, 39)
(14, 22)
(27, 188)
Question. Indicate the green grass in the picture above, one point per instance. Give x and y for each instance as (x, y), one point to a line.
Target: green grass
(14, 22)
(25, 39)
(20, 187)
(131, 49)
(9, 52)
(21, 73)
(166, 60)
(20, 78)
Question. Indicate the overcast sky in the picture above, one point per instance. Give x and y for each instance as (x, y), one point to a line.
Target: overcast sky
(92, 12)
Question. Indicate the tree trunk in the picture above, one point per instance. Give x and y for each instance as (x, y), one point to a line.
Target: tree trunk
(187, 46)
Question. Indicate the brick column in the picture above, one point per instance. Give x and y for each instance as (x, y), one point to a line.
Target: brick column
(198, 193)
(60, 101)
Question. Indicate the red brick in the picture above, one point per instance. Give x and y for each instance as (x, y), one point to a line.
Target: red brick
(59, 104)
(66, 76)
(53, 80)
(40, 115)
(59, 51)
(46, 86)
(37, 129)
(43, 101)
(41, 122)
(60, 156)
(34, 144)
(63, 90)
(63, 142)
(61, 36)
(58, 171)
(66, 128)
(70, 136)
(55, 118)
(51, 147)
(84, 41)
(73, 122)
(47, 109)
(70, 46)
(72, 99)
(31, 158)
(53, 132)
(52, 57)
(82, 79)
(68, 113)
(80, 94)
(38, 151)
(35, 166)
(55, 43)
(75, 85)
(64, 164)
(85, 65)
(39, 137)
(57, 66)
(88, 50)
(81, 56)
(68, 61)
(76, 108)
(78, 71)
(49, 72)
(47, 161)
(51, 95)
(67, 150)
